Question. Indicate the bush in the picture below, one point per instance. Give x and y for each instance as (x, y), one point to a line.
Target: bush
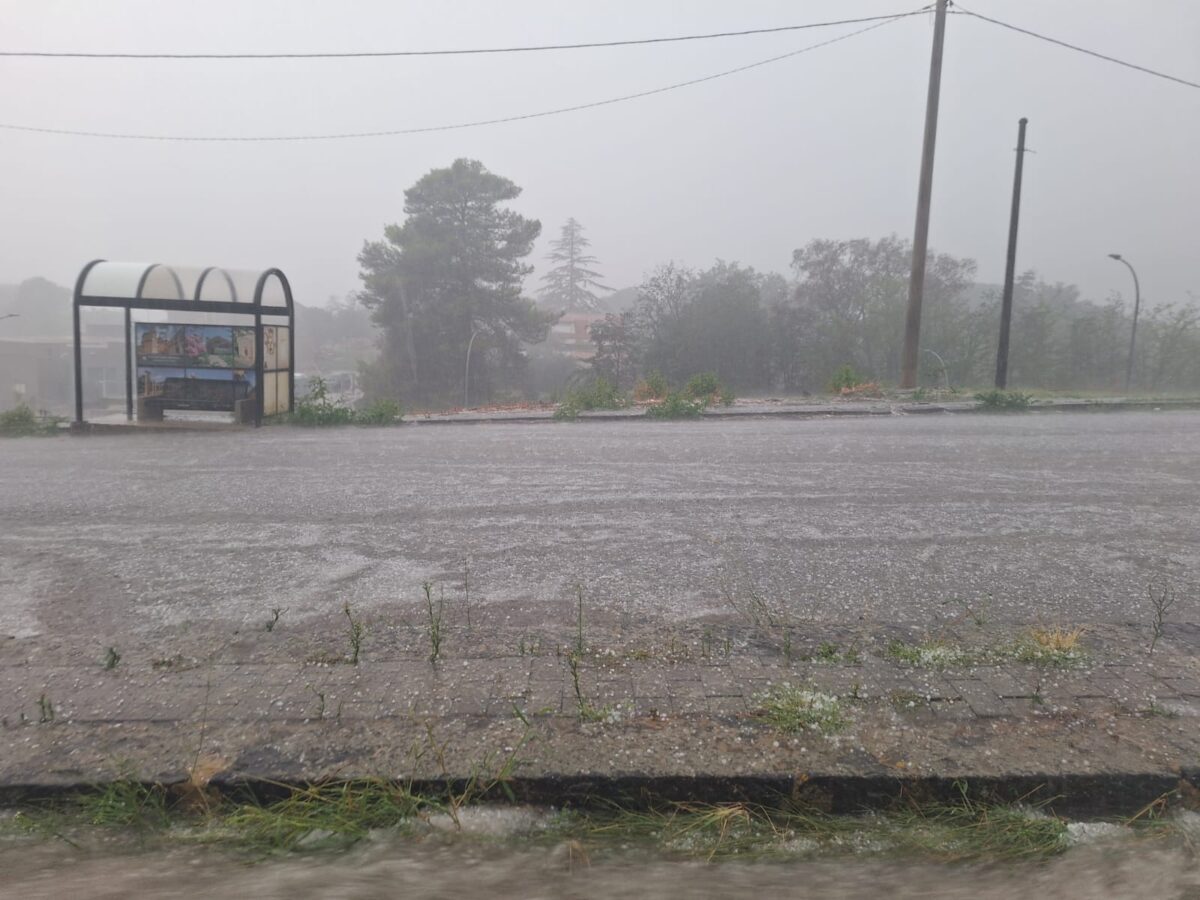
(707, 387)
(1003, 401)
(598, 394)
(704, 385)
(653, 387)
(677, 405)
(380, 412)
(845, 379)
(317, 409)
(22, 421)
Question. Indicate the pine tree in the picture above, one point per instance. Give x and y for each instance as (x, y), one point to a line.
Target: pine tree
(569, 283)
(454, 269)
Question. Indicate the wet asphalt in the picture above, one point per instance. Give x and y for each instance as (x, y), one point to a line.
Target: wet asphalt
(1053, 516)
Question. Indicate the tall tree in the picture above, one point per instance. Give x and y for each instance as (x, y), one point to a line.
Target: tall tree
(686, 322)
(453, 270)
(570, 282)
(854, 295)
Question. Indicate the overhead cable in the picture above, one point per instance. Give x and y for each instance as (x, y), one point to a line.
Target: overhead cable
(1104, 56)
(393, 132)
(371, 54)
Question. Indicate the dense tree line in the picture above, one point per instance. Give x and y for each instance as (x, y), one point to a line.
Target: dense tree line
(447, 286)
(845, 305)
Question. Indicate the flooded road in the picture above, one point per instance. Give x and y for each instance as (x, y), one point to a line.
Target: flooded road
(430, 870)
(1053, 516)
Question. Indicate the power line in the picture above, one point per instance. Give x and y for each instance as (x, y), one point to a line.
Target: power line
(532, 48)
(431, 128)
(1077, 48)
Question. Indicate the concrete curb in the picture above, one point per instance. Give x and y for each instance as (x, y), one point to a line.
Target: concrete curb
(894, 409)
(1079, 795)
(812, 412)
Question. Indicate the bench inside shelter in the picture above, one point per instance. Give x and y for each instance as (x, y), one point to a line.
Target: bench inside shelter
(197, 394)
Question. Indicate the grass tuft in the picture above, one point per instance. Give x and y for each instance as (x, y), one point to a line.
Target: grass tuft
(929, 654)
(323, 816)
(795, 710)
(1004, 401)
(1057, 647)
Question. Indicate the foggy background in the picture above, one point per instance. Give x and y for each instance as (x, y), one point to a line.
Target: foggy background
(746, 168)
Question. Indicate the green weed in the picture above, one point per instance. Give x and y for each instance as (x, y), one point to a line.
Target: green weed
(794, 710)
(322, 816)
(21, 421)
(904, 701)
(1162, 598)
(677, 405)
(355, 635)
(318, 409)
(111, 659)
(1054, 647)
(1004, 401)
(844, 379)
(587, 712)
(434, 617)
(598, 394)
(379, 412)
(929, 654)
(961, 831)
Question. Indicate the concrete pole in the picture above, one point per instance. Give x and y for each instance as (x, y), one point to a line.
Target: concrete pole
(1010, 264)
(916, 283)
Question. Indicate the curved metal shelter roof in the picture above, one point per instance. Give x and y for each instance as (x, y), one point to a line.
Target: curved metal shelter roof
(227, 292)
(191, 288)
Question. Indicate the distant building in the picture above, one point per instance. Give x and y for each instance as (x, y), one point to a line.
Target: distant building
(569, 335)
(38, 372)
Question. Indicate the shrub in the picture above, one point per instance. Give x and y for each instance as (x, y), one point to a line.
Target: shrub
(653, 387)
(1003, 401)
(705, 384)
(379, 412)
(598, 394)
(845, 378)
(707, 387)
(21, 421)
(677, 405)
(565, 412)
(318, 409)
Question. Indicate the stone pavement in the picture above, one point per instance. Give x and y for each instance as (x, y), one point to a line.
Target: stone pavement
(662, 709)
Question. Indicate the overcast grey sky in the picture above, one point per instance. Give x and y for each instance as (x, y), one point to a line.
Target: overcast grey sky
(747, 168)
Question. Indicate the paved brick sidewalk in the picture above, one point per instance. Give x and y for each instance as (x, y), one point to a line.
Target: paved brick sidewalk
(664, 704)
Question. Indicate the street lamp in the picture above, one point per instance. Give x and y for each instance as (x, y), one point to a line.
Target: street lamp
(467, 374)
(945, 372)
(1137, 303)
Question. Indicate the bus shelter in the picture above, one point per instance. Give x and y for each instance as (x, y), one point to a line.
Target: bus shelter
(232, 351)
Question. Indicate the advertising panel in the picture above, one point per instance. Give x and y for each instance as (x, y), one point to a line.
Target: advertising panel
(188, 346)
(210, 366)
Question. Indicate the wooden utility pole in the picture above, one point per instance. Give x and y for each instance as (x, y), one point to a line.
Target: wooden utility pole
(1010, 264)
(916, 283)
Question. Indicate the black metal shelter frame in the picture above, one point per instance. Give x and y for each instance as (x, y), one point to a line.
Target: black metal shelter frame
(181, 302)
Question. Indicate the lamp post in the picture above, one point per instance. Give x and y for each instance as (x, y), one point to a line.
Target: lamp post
(1137, 303)
(467, 374)
(945, 372)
